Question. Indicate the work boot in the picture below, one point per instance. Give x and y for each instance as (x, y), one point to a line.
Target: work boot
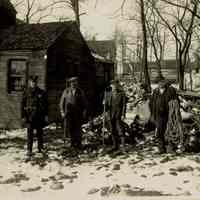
(28, 156)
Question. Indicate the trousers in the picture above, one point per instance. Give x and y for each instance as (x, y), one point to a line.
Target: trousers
(30, 135)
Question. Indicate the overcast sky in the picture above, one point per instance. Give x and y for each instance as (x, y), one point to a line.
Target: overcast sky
(97, 21)
(100, 20)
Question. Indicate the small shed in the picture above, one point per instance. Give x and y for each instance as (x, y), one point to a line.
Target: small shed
(53, 51)
(104, 53)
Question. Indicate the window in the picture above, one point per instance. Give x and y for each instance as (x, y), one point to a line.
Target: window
(16, 75)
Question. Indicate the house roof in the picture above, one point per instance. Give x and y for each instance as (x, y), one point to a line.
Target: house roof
(7, 5)
(104, 48)
(32, 36)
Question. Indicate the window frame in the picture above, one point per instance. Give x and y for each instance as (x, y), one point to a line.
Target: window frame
(10, 75)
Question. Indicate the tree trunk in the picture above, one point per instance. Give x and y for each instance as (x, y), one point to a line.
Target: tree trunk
(191, 82)
(144, 56)
(75, 5)
(159, 72)
(181, 73)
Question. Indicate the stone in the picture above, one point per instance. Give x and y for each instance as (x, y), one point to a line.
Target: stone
(57, 186)
(159, 174)
(116, 167)
(33, 189)
(93, 191)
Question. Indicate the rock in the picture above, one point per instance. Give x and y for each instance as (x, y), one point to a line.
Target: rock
(33, 189)
(166, 159)
(131, 192)
(16, 179)
(150, 164)
(104, 191)
(108, 175)
(159, 174)
(115, 189)
(116, 167)
(53, 178)
(186, 181)
(187, 193)
(44, 179)
(126, 185)
(184, 169)
(173, 173)
(57, 186)
(93, 191)
(143, 176)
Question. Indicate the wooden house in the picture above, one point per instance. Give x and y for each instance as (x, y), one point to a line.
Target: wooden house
(53, 51)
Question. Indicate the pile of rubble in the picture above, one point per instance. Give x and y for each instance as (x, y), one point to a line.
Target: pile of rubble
(97, 131)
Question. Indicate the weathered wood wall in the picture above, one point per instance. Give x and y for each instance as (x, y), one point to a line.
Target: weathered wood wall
(69, 56)
(10, 103)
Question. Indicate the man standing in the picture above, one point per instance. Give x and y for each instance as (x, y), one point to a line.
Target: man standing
(160, 108)
(115, 106)
(73, 107)
(34, 113)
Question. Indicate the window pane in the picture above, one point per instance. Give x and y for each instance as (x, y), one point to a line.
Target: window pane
(16, 83)
(18, 67)
(17, 75)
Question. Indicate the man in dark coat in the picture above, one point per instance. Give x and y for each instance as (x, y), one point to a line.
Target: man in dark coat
(73, 107)
(34, 112)
(115, 106)
(159, 107)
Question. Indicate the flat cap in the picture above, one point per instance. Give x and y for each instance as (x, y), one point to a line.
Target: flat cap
(74, 78)
(163, 83)
(114, 81)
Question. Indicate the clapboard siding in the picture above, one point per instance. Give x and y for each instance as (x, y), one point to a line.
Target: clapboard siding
(10, 110)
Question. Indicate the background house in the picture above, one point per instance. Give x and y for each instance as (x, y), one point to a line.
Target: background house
(168, 69)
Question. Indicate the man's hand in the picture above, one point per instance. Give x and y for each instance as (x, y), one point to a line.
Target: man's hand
(46, 119)
(123, 117)
(23, 122)
(84, 114)
(62, 114)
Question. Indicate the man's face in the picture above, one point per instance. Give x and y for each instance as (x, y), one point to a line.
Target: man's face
(161, 88)
(32, 84)
(113, 86)
(74, 84)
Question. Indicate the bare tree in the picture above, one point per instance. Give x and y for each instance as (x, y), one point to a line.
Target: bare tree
(32, 10)
(72, 4)
(142, 21)
(182, 30)
(157, 39)
(145, 45)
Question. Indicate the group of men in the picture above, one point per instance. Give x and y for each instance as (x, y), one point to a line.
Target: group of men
(74, 106)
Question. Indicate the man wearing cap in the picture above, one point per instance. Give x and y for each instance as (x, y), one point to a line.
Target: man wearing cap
(34, 112)
(115, 106)
(73, 107)
(159, 107)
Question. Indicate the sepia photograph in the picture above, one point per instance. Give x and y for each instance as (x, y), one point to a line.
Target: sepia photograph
(100, 99)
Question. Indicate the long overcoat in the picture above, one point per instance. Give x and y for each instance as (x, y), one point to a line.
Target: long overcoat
(34, 107)
(73, 105)
(115, 104)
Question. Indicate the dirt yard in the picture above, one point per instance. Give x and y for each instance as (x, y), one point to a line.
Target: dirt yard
(139, 173)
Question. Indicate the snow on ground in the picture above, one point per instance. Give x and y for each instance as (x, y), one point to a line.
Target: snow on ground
(140, 173)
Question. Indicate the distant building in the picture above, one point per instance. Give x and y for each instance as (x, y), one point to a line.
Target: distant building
(168, 69)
